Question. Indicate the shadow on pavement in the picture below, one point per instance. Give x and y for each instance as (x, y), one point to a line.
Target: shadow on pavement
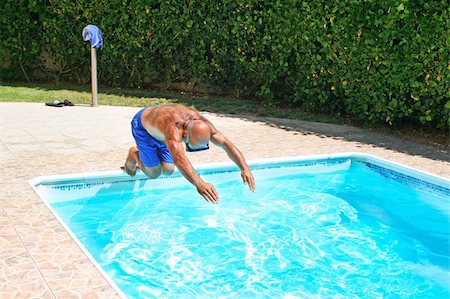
(349, 133)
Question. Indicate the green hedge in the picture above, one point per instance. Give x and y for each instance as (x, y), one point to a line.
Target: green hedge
(383, 62)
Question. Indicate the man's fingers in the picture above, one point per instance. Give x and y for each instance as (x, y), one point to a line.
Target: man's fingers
(209, 192)
(244, 178)
(249, 180)
(213, 196)
(210, 198)
(207, 198)
(210, 195)
(252, 184)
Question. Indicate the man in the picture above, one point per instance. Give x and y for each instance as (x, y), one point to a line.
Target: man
(159, 132)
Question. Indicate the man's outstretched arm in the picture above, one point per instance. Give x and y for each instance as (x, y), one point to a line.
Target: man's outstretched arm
(236, 156)
(208, 191)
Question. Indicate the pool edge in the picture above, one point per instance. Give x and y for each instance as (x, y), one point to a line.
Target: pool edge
(89, 176)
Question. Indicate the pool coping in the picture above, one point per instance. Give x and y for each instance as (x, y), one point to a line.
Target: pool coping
(228, 165)
(221, 166)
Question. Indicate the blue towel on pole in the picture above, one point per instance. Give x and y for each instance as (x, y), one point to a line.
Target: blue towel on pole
(92, 34)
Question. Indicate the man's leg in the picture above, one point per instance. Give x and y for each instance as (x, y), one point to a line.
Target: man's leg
(167, 168)
(167, 163)
(148, 151)
(152, 172)
(132, 160)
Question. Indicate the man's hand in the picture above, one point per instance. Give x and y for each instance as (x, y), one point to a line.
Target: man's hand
(208, 191)
(248, 179)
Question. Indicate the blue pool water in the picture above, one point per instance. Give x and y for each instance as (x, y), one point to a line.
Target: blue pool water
(340, 229)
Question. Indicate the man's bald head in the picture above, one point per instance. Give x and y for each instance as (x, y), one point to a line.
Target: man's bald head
(199, 132)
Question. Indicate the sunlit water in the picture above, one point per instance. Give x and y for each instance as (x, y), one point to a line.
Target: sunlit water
(343, 234)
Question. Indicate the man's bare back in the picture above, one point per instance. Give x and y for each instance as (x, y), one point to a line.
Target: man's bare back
(158, 119)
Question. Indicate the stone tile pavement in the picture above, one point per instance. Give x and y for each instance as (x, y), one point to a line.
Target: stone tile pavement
(38, 259)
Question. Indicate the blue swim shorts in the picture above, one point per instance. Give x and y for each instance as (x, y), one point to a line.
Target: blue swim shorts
(151, 150)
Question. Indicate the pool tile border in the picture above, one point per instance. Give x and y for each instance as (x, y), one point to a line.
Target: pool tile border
(409, 180)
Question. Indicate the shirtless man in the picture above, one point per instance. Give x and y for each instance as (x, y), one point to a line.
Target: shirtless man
(159, 132)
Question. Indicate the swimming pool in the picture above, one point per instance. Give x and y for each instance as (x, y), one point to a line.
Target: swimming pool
(346, 225)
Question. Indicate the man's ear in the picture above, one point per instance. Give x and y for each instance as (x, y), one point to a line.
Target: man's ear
(184, 132)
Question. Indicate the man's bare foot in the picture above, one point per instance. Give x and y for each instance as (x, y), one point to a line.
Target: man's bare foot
(130, 163)
(129, 171)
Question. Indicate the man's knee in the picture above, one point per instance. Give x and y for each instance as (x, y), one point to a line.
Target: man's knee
(152, 172)
(168, 171)
(167, 168)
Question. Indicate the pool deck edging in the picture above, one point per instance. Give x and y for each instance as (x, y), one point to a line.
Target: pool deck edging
(220, 166)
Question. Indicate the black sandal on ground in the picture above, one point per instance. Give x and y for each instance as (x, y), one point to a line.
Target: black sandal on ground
(55, 103)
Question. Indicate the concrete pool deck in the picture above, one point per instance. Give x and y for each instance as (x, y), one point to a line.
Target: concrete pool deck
(38, 258)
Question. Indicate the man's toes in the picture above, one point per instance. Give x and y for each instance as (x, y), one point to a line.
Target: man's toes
(130, 172)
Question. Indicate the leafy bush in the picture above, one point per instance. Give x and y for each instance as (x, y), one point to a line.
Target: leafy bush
(382, 62)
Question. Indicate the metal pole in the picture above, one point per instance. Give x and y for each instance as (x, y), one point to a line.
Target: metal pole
(94, 101)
